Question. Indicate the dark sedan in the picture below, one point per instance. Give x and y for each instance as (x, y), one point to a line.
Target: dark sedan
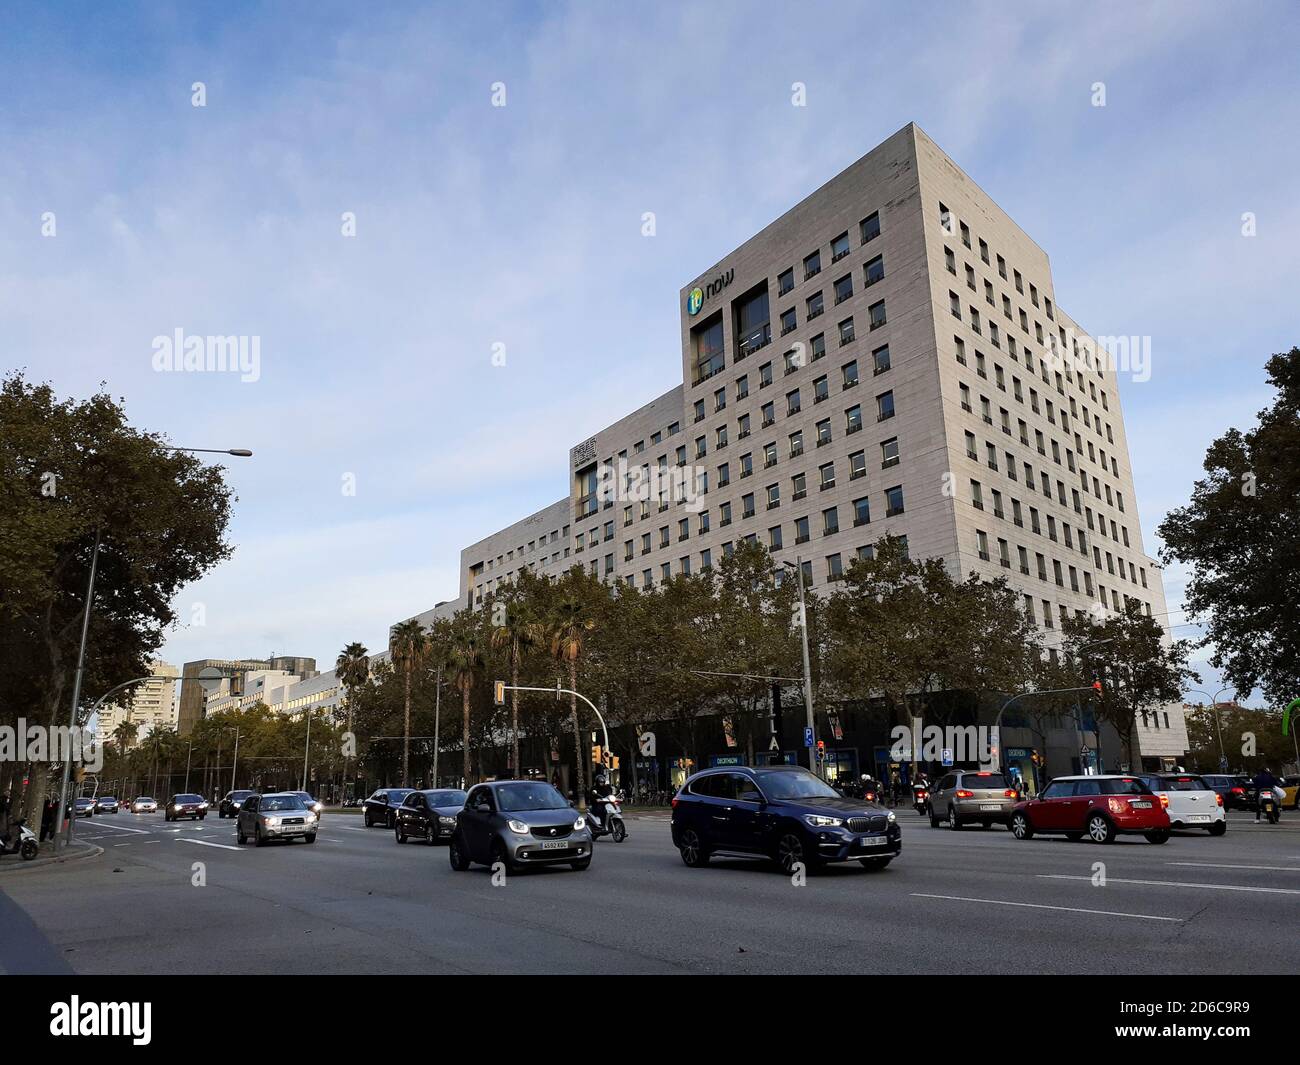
(428, 815)
(780, 812)
(1237, 791)
(518, 823)
(229, 806)
(381, 807)
(194, 807)
(84, 807)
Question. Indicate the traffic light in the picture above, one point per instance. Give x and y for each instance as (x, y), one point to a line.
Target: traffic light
(499, 692)
(596, 755)
(1096, 688)
(821, 750)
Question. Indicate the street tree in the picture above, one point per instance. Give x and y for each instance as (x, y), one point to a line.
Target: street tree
(1240, 538)
(409, 644)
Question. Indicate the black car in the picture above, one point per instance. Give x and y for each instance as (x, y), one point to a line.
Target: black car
(381, 807)
(780, 812)
(194, 807)
(518, 823)
(1237, 790)
(229, 806)
(428, 815)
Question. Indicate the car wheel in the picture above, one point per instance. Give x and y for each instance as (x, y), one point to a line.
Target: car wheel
(240, 838)
(1100, 830)
(789, 851)
(580, 864)
(431, 835)
(953, 821)
(258, 839)
(202, 816)
(1158, 835)
(458, 858)
(366, 819)
(875, 864)
(498, 854)
(1020, 826)
(934, 817)
(1218, 828)
(1074, 837)
(310, 837)
(399, 835)
(693, 851)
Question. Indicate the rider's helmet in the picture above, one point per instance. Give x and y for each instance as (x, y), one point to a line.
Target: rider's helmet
(599, 778)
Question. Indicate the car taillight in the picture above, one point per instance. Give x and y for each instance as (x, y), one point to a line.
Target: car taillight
(965, 794)
(1218, 799)
(1009, 793)
(1239, 791)
(1164, 802)
(674, 802)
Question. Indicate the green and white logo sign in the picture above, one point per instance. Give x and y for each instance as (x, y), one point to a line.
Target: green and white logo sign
(695, 301)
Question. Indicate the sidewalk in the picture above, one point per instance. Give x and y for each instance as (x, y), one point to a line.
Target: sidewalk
(77, 851)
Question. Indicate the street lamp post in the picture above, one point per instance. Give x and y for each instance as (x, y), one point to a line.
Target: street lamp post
(807, 670)
(85, 630)
(1218, 725)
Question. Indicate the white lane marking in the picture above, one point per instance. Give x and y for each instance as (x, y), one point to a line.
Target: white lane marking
(1224, 865)
(207, 843)
(119, 828)
(1043, 906)
(354, 828)
(1177, 883)
(121, 844)
(153, 841)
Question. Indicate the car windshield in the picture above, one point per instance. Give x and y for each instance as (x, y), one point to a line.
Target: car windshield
(796, 786)
(1121, 786)
(107, 798)
(984, 780)
(280, 802)
(529, 796)
(145, 798)
(189, 798)
(305, 796)
(240, 794)
(445, 798)
(1179, 784)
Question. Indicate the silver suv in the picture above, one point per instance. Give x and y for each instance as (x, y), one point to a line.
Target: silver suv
(971, 797)
(280, 815)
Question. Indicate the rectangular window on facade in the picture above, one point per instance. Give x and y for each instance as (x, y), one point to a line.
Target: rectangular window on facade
(784, 282)
(869, 228)
(873, 271)
(893, 501)
(880, 360)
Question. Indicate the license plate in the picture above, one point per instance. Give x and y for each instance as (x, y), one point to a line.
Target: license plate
(990, 806)
(1199, 818)
(874, 841)
(554, 844)
(1140, 805)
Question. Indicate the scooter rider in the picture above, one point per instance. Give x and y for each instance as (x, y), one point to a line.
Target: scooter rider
(1263, 780)
(599, 791)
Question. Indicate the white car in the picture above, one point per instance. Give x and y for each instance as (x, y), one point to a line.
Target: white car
(144, 805)
(1189, 801)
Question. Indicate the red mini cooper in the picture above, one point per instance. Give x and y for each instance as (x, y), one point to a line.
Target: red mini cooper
(1100, 807)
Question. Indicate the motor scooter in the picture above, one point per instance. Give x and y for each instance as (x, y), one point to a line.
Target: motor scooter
(1267, 803)
(920, 797)
(21, 841)
(608, 820)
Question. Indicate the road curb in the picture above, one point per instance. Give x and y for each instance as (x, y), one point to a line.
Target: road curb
(91, 851)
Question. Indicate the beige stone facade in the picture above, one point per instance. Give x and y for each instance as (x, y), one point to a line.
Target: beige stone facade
(911, 374)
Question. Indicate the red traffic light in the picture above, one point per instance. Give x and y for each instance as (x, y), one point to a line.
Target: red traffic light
(1096, 687)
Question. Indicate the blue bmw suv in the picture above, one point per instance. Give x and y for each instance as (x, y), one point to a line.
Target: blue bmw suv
(780, 812)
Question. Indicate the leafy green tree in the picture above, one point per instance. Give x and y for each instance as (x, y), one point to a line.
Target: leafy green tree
(71, 472)
(465, 664)
(1240, 537)
(572, 620)
(352, 668)
(517, 628)
(1140, 668)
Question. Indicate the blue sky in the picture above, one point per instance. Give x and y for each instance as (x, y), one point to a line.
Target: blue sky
(522, 226)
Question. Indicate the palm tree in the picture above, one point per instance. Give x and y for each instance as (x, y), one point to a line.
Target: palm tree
(124, 735)
(409, 643)
(352, 668)
(518, 631)
(572, 622)
(464, 663)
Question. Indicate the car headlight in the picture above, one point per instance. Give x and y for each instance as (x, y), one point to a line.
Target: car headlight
(822, 821)
(519, 827)
(203, 806)
(579, 824)
(272, 820)
(177, 806)
(310, 818)
(892, 817)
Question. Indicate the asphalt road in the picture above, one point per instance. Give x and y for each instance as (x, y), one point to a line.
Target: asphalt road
(175, 899)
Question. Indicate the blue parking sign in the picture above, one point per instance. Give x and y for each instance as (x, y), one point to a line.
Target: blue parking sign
(947, 756)
(807, 737)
